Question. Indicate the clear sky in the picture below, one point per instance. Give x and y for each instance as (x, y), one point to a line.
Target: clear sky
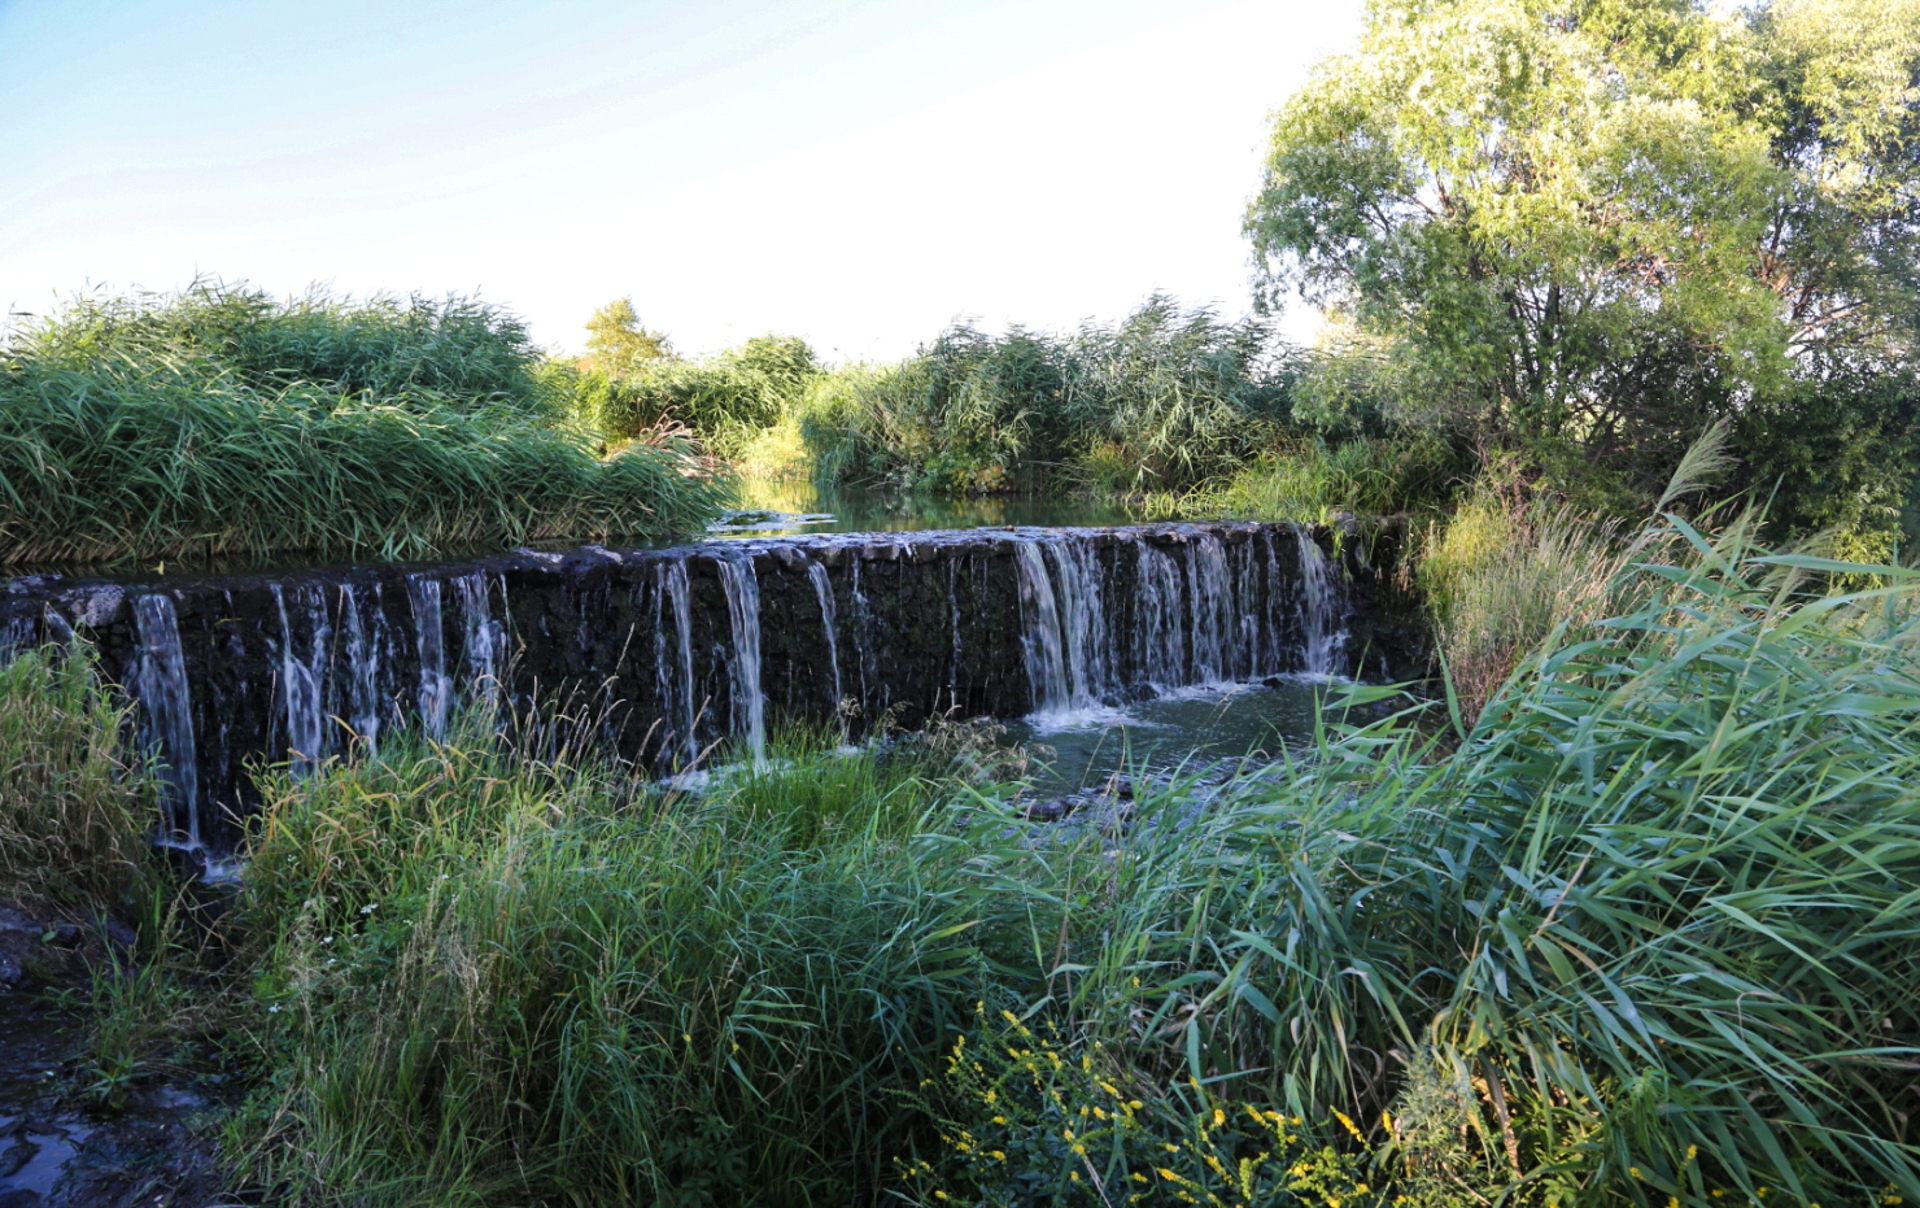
(858, 172)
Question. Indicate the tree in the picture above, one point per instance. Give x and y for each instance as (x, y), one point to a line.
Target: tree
(1602, 224)
(618, 345)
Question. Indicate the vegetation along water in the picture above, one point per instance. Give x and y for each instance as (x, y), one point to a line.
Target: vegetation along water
(1619, 907)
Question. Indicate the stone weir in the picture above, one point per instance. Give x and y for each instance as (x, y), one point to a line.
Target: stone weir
(674, 650)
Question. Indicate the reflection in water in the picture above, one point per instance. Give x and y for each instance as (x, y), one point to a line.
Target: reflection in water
(796, 506)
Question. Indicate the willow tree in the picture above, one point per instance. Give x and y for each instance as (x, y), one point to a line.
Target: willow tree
(1600, 224)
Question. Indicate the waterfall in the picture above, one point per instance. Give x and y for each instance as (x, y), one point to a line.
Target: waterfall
(743, 614)
(166, 714)
(1159, 637)
(16, 635)
(363, 667)
(302, 680)
(1061, 624)
(673, 668)
(1208, 603)
(823, 591)
(436, 686)
(1321, 613)
(1040, 637)
(486, 637)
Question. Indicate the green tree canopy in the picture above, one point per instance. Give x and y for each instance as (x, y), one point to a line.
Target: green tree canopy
(618, 345)
(1601, 224)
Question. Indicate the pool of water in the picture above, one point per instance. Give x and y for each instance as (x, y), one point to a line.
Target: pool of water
(772, 506)
(1204, 734)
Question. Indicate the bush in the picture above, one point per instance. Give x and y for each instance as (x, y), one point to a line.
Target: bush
(1160, 401)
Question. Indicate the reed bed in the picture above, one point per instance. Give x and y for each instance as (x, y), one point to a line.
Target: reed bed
(218, 423)
(100, 467)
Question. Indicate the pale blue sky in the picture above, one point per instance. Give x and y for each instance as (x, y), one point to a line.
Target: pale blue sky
(858, 173)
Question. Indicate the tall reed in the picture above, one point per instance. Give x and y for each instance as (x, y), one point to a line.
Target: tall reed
(96, 466)
(75, 808)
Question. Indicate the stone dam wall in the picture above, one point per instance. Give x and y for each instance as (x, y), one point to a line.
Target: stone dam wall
(674, 650)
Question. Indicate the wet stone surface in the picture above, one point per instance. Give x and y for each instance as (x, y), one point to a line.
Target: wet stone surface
(156, 1152)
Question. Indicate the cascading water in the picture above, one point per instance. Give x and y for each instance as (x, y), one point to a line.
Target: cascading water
(1322, 616)
(364, 665)
(486, 637)
(1040, 636)
(430, 644)
(166, 715)
(743, 615)
(673, 665)
(1207, 603)
(1158, 632)
(303, 676)
(829, 621)
(17, 634)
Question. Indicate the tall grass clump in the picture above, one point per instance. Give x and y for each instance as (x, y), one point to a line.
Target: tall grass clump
(1409, 473)
(115, 447)
(726, 399)
(1508, 566)
(75, 809)
(487, 980)
(454, 352)
(1647, 935)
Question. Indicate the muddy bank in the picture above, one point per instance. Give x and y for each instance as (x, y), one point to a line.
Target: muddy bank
(69, 1138)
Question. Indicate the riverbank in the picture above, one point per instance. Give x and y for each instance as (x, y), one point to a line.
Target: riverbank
(1609, 939)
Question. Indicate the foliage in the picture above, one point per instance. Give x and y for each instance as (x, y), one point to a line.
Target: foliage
(1024, 1122)
(1599, 225)
(618, 346)
(724, 399)
(161, 429)
(75, 811)
(459, 353)
(1159, 401)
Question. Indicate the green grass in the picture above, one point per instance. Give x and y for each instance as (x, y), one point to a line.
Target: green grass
(1642, 931)
(485, 981)
(75, 810)
(198, 428)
